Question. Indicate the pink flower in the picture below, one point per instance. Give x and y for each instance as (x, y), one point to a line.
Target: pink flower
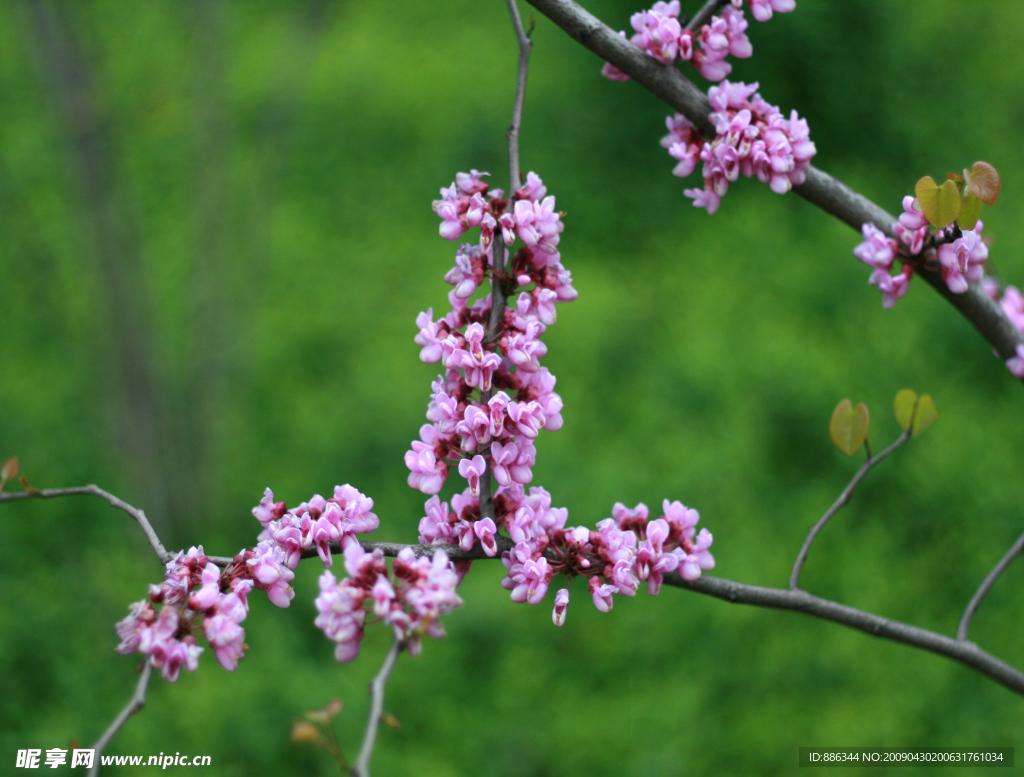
(140, 617)
(762, 9)
(1012, 304)
(657, 34)
(561, 605)
(485, 530)
(893, 287)
(877, 250)
(601, 594)
(962, 260)
(534, 189)
(426, 473)
(206, 597)
(531, 581)
(1016, 364)
(434, 528)
(704, 198)
(227, 638)
(473, 470)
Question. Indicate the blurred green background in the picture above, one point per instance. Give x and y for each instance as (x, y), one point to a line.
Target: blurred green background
(216, 235)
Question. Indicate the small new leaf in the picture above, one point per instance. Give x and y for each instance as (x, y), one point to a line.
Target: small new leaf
(849, 426)
(909, 408)
(903, 407)
(940, 204)
(29, 488)
(302, 731)
(390, 721)
(925, 415)
(324, 716)
(983, 182)
(9, 471)
(969, 212)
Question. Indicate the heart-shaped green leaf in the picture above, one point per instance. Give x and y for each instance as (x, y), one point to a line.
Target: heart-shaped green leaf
(849, 426)
(903, 407)
(940, 204)
(969, 212)
(909, 407)
(983, 182)
(925, 415)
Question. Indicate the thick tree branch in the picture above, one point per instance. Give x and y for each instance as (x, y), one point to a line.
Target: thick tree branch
(362, 767)
(821, 189)
(839, 504)
(138, 701)
(134, 512)
(986, 584)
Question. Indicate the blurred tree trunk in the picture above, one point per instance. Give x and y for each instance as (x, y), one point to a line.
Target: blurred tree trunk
(125, 359)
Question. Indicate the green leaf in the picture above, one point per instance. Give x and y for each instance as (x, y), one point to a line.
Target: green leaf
(909, 407)
(969, 212)
(925, 415)
(940, 204)
(983, 182)
(903, 407)
(849, 426)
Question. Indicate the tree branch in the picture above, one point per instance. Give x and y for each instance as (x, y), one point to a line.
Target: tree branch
(986, 584)
(839, 504)
(958, 649)
(698, 19)
(498, 252)
(138, 701)
(965, 652)
(134, 512)
(362, 767)
(821, 189)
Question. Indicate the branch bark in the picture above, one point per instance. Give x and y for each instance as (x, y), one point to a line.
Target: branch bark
(134, 512)
(821, 189)
(986, 584)
(137, 702)
(958, 649)
(377, 685)
(839, 504)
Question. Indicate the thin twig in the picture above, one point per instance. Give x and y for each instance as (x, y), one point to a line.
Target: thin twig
(362, 767)
(95, 490)
(138, 701)
(965, 652)
(831, 195)
(498, 251)
(839, 504)
(525, 44)
(986, 584)
(698, 19)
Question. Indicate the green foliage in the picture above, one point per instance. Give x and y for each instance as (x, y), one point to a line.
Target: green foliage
(271, 168)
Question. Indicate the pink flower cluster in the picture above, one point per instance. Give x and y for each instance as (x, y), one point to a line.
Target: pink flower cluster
(960, 259)
(491, 404)
(220, 601)
(660, 33)
(753, 138)
(411, 601)
(514, 396)
(286, 534)
(622, 552)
